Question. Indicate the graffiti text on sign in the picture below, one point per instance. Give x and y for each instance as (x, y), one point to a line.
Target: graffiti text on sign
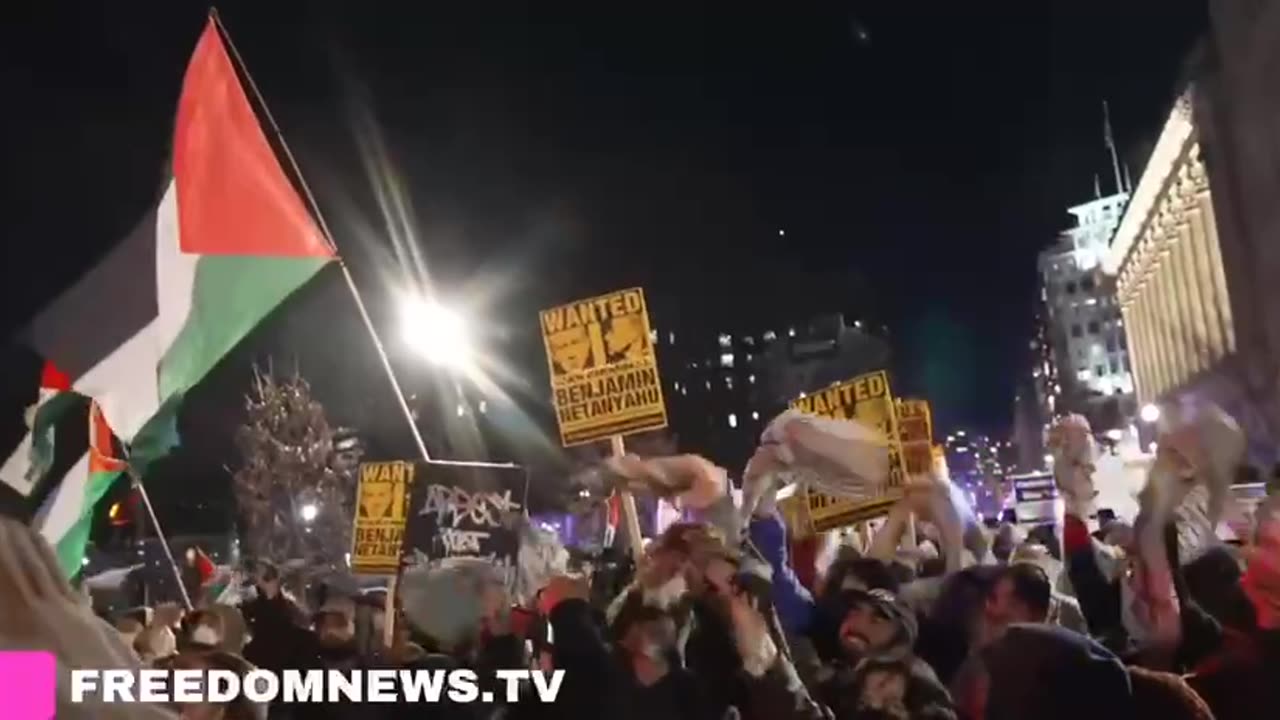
(462, 542)
(458, 505)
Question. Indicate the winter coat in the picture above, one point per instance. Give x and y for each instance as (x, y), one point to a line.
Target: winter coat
(345, 659)
(780, 695)
(1241, 677)
(792, 601)
(278, 640)
(1042, 671)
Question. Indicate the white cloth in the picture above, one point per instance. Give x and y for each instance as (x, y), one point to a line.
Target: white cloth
(842, 458)
(445, 601)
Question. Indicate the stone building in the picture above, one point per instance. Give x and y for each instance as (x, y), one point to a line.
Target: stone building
(1197, 254)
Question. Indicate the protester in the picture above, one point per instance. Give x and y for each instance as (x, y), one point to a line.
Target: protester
(714, 622)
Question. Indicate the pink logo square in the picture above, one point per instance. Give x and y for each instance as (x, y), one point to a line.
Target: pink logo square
(28, 685)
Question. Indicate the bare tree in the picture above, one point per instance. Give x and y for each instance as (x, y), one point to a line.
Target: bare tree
(295, 488)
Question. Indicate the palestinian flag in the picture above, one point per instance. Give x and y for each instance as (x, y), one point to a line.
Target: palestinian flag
(33, 458)
(50, 480)
(66, 517)
(227, 242)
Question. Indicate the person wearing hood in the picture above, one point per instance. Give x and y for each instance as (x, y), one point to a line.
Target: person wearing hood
(1045, 672)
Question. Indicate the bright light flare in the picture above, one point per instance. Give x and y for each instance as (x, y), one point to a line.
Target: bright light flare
(436, 333)
(308, 512)
(1150, 413)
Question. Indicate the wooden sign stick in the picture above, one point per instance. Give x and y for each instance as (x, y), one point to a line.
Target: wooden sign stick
(628, 502)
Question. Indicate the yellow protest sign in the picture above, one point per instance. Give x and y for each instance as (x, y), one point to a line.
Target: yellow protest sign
(381, 510)
(915, 431)
(868, 399)
(604, 373)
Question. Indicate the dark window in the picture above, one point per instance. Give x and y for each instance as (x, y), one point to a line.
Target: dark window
(1086, 285)
(1115, 367)
(1100, 370)
(1124, 342)
(1075, 331)
(1111, 344)
(1093, 327)
(1071, 288)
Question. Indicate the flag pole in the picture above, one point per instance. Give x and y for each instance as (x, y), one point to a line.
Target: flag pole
(346, 272)
(164, 542)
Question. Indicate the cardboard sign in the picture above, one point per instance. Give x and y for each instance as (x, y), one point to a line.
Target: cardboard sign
(604, 373)
(380, 517)
(827, 512)
(868, 399)
(915, 431)
(465, 512)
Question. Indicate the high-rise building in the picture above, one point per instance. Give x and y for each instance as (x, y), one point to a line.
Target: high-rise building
(1087, 368)
(723, 387)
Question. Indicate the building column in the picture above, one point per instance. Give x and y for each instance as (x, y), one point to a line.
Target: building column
(1192, 350)
(1206, 313)
(1152, 340)
(1135, 354)
(1172, 319)
(1221, 297)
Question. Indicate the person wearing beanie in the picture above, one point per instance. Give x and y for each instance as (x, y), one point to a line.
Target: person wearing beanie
(872, 623)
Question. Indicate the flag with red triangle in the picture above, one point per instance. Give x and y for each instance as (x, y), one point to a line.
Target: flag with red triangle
(227, 242)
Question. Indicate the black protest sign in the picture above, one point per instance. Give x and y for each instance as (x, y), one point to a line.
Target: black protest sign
(465, 512)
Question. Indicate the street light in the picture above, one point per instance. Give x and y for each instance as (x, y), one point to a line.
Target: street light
(1150, 413)
(436, 333)
(308, 512)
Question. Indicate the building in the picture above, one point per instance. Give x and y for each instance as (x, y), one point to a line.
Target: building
(1195, 257)
(723, 388)
(1086, 368)
(1035, 399)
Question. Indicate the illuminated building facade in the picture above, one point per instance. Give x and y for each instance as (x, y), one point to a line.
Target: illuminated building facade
(1083, 362)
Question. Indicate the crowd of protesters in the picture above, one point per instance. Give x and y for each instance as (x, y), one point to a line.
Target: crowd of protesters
(1149, 620)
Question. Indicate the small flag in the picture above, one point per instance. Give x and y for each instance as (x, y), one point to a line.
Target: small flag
(66, 517)
(32, 459)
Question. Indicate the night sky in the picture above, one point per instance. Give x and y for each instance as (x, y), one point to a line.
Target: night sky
(921, 156)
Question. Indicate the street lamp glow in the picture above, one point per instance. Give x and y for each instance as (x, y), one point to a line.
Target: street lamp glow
(1150, 413)
(309, 512)
(436, 333)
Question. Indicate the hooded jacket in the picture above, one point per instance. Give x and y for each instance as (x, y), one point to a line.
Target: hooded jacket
(1042, 671)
